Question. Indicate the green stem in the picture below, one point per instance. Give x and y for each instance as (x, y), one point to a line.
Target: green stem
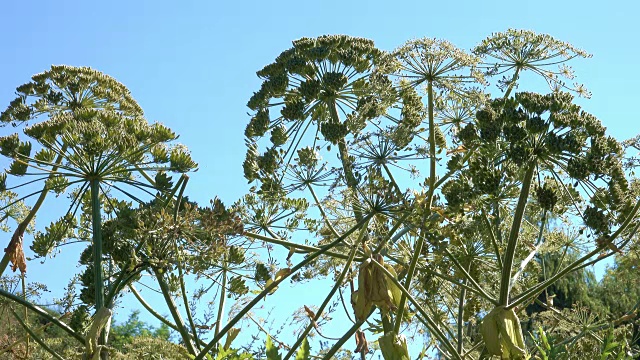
(173, 309)
(290, 245)
(324, 215)
(347, 166)
(98, 280)
(150, 309)
(393, 180)
(336, 286)
(432, 145)
(267, 290)
(336, 347)
(185, 300)
(96, 220)
(507, 262)
(494, 241)
(26, 311)
(42, 313)
(512, 84)
(461, 300)
(469, 277)
(432, 181)
(407, 283)
(223, 295)
(36, 338)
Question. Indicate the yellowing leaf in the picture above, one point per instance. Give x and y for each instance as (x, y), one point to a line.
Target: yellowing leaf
(231, 335)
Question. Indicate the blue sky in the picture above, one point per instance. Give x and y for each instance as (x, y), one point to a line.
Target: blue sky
(191, 64)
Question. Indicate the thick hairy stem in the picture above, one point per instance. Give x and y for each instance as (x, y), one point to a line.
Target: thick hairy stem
(98, 280)
(432, 145)
(267, 290)
(34, 209)
(96, 220)
(432, 181)
(173, 309)
(514, 235)
(338, 283)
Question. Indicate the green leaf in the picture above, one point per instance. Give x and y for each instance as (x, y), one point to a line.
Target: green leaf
(272, 350)
(237, 286)
(303, 352)
(163, 181)
(181, 160)
(17, 168)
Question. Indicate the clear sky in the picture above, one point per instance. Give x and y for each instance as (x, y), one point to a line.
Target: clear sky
(191, 64)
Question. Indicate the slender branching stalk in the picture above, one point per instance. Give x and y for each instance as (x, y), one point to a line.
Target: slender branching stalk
(336, 286)
(268, 289)
(175, 313)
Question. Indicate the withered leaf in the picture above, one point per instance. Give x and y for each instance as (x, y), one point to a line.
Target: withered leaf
(16, 254)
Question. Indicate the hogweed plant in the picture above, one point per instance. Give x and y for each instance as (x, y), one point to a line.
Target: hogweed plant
(92, 140)
(503, 175)
(523, 191)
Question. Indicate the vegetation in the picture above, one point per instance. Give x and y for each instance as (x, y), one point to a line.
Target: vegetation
(446, 207)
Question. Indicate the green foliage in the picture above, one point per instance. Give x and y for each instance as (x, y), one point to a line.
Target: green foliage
(272, 351)
(304, 351)
(121, 335)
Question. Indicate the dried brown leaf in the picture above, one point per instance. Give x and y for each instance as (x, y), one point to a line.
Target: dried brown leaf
(16, 253)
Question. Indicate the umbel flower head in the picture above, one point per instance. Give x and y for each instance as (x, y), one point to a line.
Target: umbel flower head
(436, 61)
(556, 137)
(68, 88)
(321, 84)
(511, 52)
(77, 146)
(59, 90)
